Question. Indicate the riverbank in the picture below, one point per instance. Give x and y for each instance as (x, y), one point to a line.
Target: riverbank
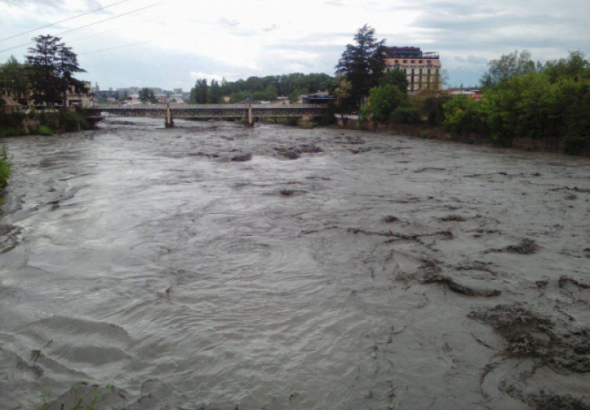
(42, 123)
(4, 169)
(438, 133)
(216, 266)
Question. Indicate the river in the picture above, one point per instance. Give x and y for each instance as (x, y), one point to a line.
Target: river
(175, 267)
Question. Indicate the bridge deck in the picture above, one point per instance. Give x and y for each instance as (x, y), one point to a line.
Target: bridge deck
(210, 110)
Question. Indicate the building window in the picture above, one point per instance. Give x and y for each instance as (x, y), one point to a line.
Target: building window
(405, 61)
(412, 74)
(420, 61)
(429, 71)
(413, 61)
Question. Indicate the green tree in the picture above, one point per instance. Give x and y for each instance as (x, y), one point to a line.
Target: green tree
(52, 67)
(199, 93)
(43, 71)
(147, 95)
(342, 90)
(215, 96)
(14, 79)
(508, 65)
(397, 78)
(462, 114)
(363, 63)
(574, 66)
(67, 66)
(295, 94)
(383, 101)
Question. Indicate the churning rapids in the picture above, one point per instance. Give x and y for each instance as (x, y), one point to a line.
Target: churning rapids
(213, 266)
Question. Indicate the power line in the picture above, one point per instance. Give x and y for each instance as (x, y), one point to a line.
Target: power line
(114, 48)
(94, 35)
(116, 29)
(111, 18)
(88, 25)
(61, 21)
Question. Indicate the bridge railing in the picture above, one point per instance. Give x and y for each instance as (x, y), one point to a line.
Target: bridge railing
(208, 106)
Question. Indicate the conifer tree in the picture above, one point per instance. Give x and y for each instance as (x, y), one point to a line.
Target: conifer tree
(52, 67)
(363, 63)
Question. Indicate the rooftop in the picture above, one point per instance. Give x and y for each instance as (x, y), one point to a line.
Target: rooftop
(410, 52)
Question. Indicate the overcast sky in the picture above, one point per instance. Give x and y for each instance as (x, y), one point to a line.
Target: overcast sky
(175, 42)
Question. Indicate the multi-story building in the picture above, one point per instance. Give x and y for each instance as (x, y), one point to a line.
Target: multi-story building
(83, 99)
(423, 69)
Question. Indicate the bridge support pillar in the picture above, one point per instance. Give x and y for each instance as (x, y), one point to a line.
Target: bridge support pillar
(250, 122)
(169, 122)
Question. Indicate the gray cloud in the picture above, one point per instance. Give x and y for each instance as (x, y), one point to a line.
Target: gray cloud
(473, 23)
(505, 25)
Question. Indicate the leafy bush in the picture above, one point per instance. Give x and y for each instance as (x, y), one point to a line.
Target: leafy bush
(14, 120)
(406, 115)
(431, 107)
(462, 115)
(383, 101)
(289, 121)
(13, 132)
(49, 119)
(72, 122)
(574, 144)
(306, 123)
(45, 130)
(4, 167)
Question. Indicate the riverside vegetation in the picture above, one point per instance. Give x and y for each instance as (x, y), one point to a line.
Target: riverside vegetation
(4, 168)
(45, 77)
(42, 123)
(545, 102)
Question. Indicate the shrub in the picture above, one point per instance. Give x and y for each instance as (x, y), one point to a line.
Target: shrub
(431, 107)
(306, 123)
(45, 130)
(13, 132)
(49, 119)
(383, 101)
(14, 120)
(406, 115)
(72, 122)
(574, 144)
(289, 121)
(463, 115)
(4, 167)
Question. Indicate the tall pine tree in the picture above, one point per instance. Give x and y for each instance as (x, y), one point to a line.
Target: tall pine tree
(52, 67)
(363, 64)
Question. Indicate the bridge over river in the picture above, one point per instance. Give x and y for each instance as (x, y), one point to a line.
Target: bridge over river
(207, 111)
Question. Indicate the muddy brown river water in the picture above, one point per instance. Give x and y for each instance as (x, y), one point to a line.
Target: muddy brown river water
(217, 267)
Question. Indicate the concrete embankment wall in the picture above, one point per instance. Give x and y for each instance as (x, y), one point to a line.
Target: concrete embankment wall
(525, 143)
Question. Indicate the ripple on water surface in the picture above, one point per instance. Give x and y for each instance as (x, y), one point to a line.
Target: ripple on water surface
(148, 259)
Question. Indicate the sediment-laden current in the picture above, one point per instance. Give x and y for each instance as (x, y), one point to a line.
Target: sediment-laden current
(213, 266)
